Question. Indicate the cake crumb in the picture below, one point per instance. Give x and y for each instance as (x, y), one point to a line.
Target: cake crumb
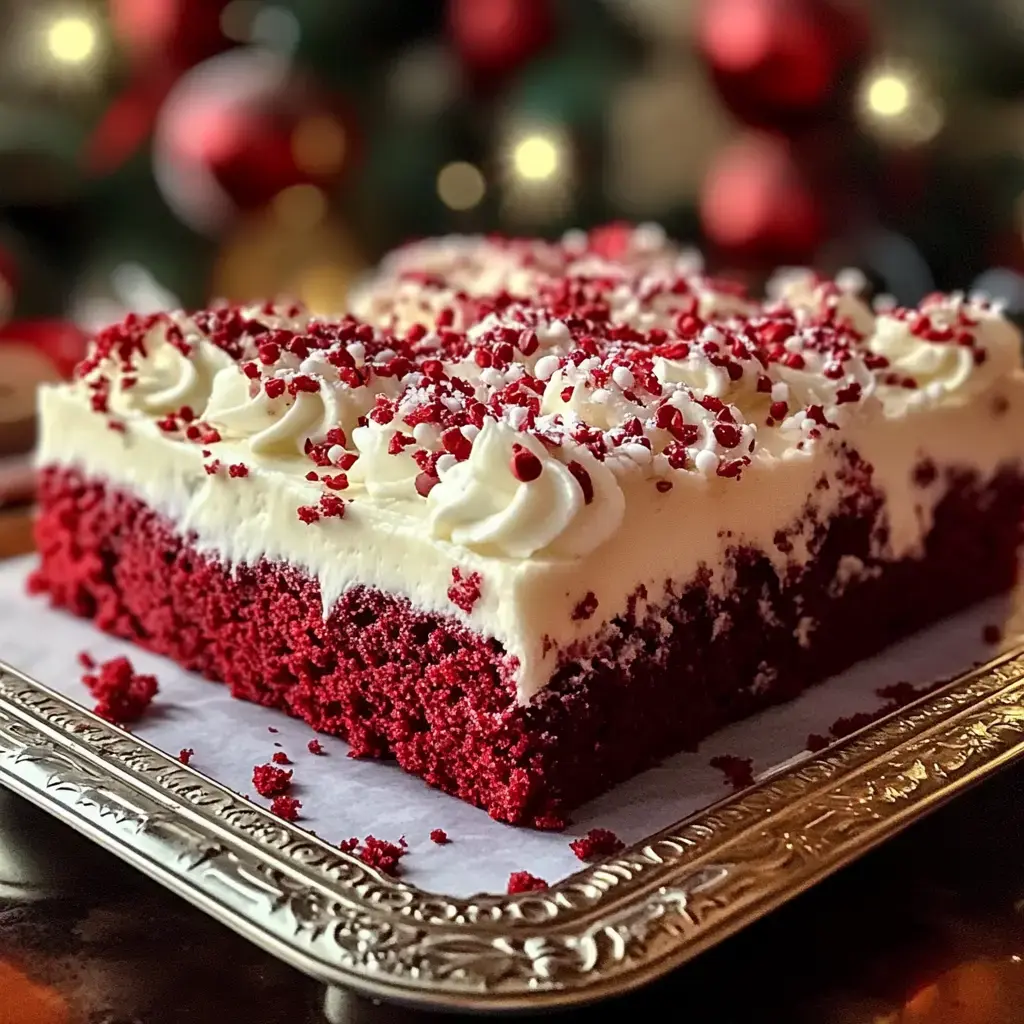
(185, 755)
(270, 781)
(523, 881)
(382, 855)
(465, 590)
(286, 807)
(439, 836)
(585, 608)
(86, 660)
(348, 845)
(597, 843)
(122, 694)
(991, 634)
(738, 771)
(280, 757)
(314, 747)
(271, 728)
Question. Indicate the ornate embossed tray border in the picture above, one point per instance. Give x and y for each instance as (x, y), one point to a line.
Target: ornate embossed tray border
(606, 929)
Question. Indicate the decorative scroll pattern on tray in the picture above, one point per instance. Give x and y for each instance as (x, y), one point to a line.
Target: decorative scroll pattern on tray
(604, 930)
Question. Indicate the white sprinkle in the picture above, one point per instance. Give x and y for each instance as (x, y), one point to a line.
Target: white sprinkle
(469, 431)
(623, 377)
(357, 350)
(451, 403)
(711, 333)
(444, 463)
(492, 378)
(706, 462)
(517, 415)
(601, 396)
(425, 435)
(385, 354)
(545, 367)
(780, 392)
(335, 453)
(555, 331)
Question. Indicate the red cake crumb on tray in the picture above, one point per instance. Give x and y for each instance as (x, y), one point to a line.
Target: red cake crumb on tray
(536, 515)
(270, 781)
(596, 844)
(122, 694)
(523, 881)
(439, 836)
(738, 771)
(286, 807)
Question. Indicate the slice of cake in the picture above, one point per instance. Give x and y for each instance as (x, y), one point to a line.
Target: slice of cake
(544, 513)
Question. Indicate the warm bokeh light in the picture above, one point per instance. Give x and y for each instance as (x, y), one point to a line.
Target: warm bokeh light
(72, 39)
(460, 185)
(897, 106)
(888, 94)
(536, 157)
(318, 145)
(301, 206)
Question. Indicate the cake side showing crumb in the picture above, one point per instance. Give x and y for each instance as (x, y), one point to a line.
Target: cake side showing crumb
(394, 681)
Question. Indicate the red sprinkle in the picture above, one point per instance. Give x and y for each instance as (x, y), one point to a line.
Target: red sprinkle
(280, 757)
(122, 695)
(582, 477)
(86, 660)
(270, 781)
(597, 843)
(439, 836)
(739, 771)
(185, 755)
(286, 807)
(238, 469)
(523, 881)
(524, 464)
(314, 747)
(348, 845)
(308, 514)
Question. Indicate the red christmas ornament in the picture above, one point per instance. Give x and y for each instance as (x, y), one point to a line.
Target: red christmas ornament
(175, 33)
(757, 205)
(238, 130)
(496, 37)
(779, 62)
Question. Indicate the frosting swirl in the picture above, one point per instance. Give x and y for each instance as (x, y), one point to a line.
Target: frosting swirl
(169, 376)
(384, 475)
(278, 425)
(481, 504)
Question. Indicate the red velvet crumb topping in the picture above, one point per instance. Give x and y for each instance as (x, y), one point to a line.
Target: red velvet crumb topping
(286, 807)
(315, 747)
(280, 757)
(596, 844)
(86, 660)
(523, 881)
(270, 781)
(122, 695)
(439, 836)
(185, 755)
(465, 590)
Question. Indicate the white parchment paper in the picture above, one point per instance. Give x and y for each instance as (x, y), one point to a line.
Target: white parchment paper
(343, 797)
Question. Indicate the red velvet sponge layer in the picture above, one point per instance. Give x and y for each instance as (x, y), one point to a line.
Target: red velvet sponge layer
(440, 699)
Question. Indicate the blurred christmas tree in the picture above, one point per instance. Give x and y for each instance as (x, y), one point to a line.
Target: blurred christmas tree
(154, 151)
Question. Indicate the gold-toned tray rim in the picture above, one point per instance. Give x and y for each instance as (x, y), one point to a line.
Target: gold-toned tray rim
(603, 931)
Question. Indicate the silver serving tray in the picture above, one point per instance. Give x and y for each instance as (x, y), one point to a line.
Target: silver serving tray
(603, 931)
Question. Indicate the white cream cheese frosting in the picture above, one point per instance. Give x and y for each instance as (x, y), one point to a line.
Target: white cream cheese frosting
(556, 447)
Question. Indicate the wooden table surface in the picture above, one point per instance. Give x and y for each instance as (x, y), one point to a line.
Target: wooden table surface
(926, 930)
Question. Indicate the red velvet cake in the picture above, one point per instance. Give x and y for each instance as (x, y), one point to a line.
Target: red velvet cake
(536, 514)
